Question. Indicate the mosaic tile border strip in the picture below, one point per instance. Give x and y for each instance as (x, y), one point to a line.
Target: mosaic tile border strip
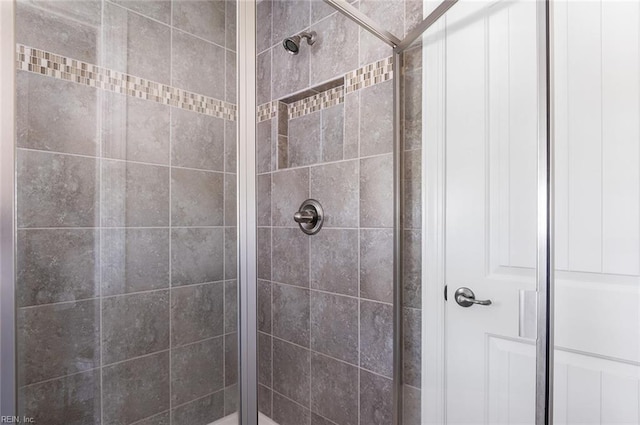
(267, 111)
(46, 63)
(368, 75)
(314, 103)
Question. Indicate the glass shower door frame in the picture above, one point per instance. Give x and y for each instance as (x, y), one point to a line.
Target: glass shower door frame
(545, 219)
(7, 209)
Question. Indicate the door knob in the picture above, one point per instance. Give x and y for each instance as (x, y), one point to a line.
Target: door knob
(466, 298)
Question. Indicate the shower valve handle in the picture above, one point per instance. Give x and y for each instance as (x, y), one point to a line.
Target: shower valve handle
(305, 216)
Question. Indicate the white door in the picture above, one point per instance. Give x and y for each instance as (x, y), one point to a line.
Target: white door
(490, 209)
(489, 193)
(597, 312)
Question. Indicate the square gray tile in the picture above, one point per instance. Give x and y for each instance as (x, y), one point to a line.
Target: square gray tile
(56, 115)
(290, 74)
(289, 188)
(334, 326)
(197, 198)
(197, 370)
(196, 255)
(264, 199)
(56, 265)
(197, 140)
(135, 389)
(230, 306)
(134, 325)
(376, 119)
(376, 399)
(304, 141)
(230, 200)
(263, 74)
(204, 410)
(72, 400)
(263, 146)
(263, 25)
(412, 347)
(135, 129)
(335, 265)
(291, 371)
(159, 10)
(264, 400)
(412, 268)
(197, 65)
(231, 402)
(376, 191)
(134, 195)
(291, 314)
(333, 133)
(290, 257)
(264, 306)
(134, 260)
(376, 264)
(264, 253)
(336, 53)
(287, 412)
(135, 44)
(56, 190)
(196, 313)
(205, 19)
(57, 340)
(230, 359)
(376, 337)
(336, 186)
(56, 32)
(264, 359)
(334, 390)
(230, 253)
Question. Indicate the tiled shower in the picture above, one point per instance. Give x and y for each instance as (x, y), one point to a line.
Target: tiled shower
(126, 240)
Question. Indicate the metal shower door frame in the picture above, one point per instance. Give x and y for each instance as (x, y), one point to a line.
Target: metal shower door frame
(7, 209)
(544, 260)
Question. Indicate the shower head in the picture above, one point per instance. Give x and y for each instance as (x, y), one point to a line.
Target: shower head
(292, 44)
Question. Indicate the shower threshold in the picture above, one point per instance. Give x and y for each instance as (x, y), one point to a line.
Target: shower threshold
(233, 420)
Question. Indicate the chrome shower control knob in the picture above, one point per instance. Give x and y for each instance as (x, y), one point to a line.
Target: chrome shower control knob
(309, 217)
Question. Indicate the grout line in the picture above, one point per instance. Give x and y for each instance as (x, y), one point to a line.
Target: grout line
(169, 25)
(21, 229)
(128, 161)
(329, 357)
(321, 164)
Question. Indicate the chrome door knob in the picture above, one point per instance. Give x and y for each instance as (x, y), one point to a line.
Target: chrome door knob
(466, 298)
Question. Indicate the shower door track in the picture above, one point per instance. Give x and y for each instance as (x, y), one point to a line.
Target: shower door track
(544, 262)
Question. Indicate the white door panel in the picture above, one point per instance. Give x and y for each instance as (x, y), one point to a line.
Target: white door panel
(490, 109)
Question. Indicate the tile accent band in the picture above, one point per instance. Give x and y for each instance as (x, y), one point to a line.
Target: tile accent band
(46, 63)
(368, 75)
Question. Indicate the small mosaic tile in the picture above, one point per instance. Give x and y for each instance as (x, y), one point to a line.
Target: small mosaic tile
(45, 63)
(368, 75)
(316, 102)
(266, 111)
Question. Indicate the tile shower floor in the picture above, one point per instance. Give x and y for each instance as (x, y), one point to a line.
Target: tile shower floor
(233, 420)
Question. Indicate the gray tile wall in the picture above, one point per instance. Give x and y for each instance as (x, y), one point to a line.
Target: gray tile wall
(325, 301)
(126, 219)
